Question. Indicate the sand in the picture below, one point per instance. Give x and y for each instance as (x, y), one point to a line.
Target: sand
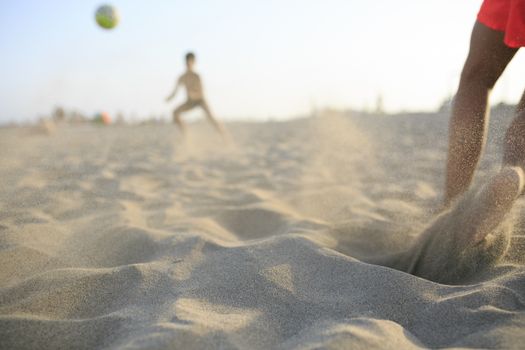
(128, 237)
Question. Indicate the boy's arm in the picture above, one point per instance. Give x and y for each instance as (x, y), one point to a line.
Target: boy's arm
(174, 90)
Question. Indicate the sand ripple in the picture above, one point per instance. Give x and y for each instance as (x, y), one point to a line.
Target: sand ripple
(127, 238)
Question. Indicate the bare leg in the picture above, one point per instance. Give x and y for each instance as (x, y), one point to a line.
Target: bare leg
(186, 106)
(514, 151)
(486, 61)
(216, 124)
(496, 200)
(177, 119)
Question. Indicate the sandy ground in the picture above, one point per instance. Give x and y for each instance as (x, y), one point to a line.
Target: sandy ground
(128, 237)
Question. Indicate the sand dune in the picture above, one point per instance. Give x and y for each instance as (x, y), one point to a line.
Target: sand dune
(128, 237)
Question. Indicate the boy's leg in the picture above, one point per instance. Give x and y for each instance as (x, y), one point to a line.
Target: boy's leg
(215, 122)
(488, 56)
(514, 149)
(186, 106)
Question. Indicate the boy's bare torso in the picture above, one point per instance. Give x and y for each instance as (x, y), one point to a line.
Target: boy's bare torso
(193, 85)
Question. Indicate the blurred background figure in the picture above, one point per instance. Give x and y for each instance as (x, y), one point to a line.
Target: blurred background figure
(195, 96)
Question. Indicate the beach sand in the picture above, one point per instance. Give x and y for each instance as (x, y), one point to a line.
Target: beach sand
(128, 237)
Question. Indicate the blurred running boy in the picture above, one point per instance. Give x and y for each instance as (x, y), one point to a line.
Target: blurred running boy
(195, 96)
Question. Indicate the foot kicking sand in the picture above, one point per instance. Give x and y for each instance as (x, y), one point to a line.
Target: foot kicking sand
(469, 237)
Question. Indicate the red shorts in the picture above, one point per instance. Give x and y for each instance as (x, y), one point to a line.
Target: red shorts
(505, 16)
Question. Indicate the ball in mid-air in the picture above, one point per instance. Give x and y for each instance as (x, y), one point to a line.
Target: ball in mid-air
(107, 17)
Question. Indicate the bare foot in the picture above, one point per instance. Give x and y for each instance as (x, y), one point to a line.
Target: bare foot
(470, 236)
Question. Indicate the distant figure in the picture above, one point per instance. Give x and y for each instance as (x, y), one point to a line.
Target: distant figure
(497, 35)
(195, 96)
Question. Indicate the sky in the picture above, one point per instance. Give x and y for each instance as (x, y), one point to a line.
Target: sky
(258, 59)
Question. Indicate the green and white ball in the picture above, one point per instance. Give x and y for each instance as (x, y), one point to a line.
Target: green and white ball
(107, 17)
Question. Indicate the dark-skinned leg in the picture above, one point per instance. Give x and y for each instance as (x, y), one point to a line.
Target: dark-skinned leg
(514, 149)
(216, 124)
(186, 106)
(488, 56)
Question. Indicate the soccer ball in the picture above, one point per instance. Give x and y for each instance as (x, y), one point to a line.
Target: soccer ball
(107, 16)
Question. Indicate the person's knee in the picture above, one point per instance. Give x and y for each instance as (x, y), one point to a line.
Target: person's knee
(177, 113)
(177, 117)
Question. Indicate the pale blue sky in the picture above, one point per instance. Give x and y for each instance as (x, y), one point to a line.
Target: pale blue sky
(258, 58)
